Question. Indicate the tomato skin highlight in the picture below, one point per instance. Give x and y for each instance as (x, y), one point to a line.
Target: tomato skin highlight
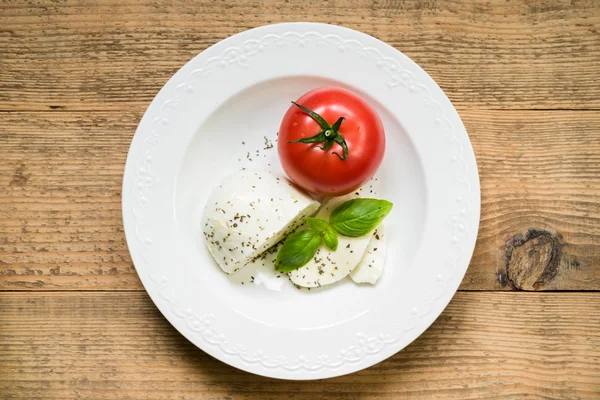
(323, 172)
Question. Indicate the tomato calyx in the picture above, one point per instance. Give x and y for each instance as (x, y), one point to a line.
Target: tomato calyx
(328, 135)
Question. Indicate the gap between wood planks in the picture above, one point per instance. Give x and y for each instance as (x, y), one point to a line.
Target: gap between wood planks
(459, 109)
(4, 290)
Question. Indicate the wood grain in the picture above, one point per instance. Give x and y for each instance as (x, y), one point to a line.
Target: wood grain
(75, 79)
(60, 213)
(107, 54)
(118, 346)
(539, 172)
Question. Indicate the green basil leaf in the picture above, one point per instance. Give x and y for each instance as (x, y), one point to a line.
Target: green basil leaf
(297, 250)
(325, 230)
(358, 217)
(330, 238)
(318, 225)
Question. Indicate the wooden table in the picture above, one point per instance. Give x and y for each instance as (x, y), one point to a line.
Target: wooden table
(75, 79)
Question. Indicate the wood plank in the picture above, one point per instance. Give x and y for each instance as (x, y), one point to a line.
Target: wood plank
(60, 212)
(111, 54)
(118, 346)
(540, 191)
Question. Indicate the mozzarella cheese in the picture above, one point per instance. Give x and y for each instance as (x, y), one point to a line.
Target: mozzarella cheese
(328, 266)
(250, 212)
(261, 271)
(371, 266)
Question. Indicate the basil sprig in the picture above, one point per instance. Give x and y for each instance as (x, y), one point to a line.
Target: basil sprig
(358, 217)
(297, 250)
(353, 218)
(325, 230)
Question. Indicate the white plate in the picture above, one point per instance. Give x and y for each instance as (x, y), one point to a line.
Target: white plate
(191, 137)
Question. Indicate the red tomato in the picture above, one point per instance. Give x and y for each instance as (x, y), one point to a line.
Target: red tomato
(331, 172)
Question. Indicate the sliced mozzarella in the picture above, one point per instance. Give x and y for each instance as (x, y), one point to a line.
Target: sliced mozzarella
(371, 266)
(261, 270)
(250, 212)
(271, 282)
(328, 266)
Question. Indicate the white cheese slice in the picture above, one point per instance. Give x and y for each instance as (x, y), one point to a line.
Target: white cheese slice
(250, 212)
(261, 270)
(271, 282)
(328, 266)
(371, 266)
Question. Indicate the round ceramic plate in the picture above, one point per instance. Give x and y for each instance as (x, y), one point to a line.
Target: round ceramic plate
(220, 113)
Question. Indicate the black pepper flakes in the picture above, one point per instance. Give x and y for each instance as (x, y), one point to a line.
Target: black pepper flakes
(268, 144)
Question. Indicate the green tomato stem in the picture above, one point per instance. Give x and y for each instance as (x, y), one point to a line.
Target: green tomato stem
(327, 135)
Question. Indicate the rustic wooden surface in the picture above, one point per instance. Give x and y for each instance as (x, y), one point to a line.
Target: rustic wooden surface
(117, 345)
(75, 79)
(62, 174)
